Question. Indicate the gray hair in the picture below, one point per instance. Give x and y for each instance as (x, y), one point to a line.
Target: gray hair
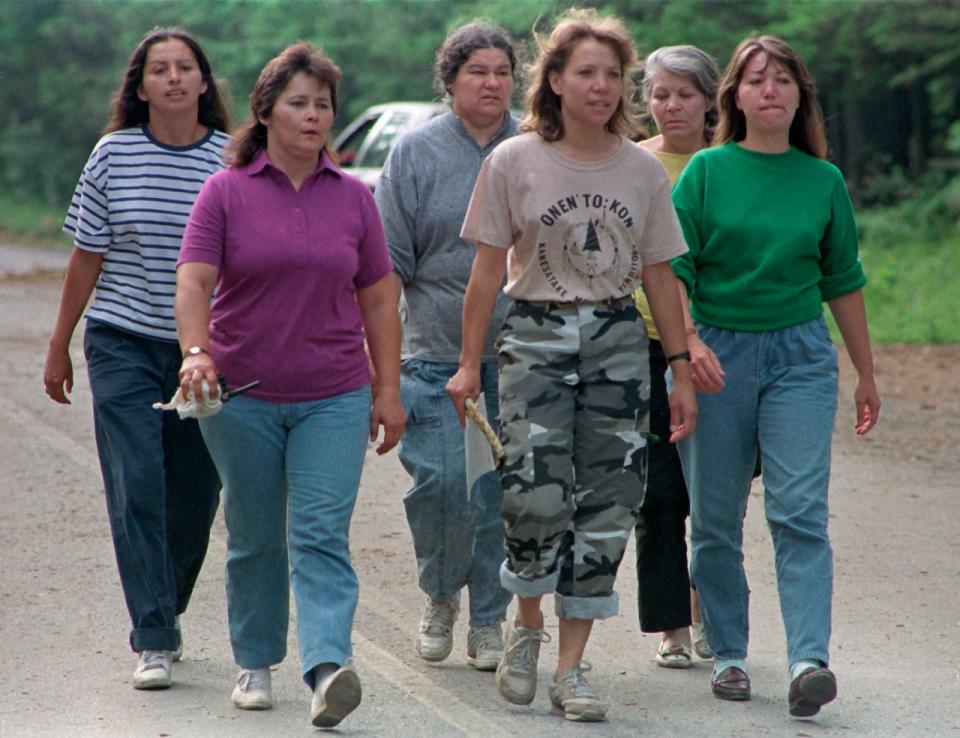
(461, 43)
(690, 62)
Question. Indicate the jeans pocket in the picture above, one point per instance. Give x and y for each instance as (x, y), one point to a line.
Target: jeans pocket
(421, 400)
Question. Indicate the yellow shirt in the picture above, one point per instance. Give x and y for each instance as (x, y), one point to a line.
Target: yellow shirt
(673, 164)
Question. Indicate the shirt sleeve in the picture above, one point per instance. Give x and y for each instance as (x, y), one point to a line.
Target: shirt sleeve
(839, 261)
(398, 201)
(205, 234)
(662, 238)
(88, 217)
(373, 260)
(688, 201)
(488, 218)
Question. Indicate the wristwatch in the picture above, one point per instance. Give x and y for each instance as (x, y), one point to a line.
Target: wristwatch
(195, 351)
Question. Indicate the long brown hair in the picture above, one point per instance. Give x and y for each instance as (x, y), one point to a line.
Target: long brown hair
(543, 104)
(806, 130)
(128, 110)
(251, 138)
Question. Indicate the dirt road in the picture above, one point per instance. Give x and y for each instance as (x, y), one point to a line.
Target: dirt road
(66, 666)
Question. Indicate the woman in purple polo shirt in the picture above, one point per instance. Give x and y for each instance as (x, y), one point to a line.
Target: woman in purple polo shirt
(296, 252)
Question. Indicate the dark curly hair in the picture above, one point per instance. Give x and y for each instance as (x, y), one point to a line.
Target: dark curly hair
(461, 43)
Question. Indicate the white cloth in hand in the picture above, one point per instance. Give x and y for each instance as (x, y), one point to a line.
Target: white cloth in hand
(190, 408)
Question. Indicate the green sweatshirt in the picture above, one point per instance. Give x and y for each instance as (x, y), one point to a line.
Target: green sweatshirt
(771, 237)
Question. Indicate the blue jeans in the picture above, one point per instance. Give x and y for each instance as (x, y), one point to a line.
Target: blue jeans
(458, 541)
(290, 477)
(781, 392)
(161, 486)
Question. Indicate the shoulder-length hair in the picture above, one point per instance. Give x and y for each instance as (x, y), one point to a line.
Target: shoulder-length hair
(691, 63)
(128, 110)
(543, 104)
(251, 138)
(806, 130)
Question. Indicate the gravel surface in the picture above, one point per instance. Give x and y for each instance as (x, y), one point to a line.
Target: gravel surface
(66, 668)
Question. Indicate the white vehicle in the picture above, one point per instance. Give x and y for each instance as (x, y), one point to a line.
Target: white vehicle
(364, 144)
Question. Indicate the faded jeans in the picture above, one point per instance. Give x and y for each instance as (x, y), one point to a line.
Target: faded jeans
(781, 392)
(458, 540)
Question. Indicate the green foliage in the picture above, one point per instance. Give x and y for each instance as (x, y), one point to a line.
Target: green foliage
(31, 222)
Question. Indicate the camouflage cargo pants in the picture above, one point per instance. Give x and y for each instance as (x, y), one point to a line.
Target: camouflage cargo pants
(574, 401)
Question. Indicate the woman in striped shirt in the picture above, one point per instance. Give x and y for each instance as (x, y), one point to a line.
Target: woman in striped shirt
(127, 216)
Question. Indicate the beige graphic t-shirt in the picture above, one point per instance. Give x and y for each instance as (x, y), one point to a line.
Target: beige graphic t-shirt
(578, 230)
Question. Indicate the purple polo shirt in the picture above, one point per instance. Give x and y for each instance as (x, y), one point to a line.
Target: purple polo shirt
(285, 308)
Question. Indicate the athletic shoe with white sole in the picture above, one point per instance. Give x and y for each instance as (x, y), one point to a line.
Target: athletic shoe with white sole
(485, 647)
(153, 670)
(516, 678)
(252, 690)
(335, 696)
(574, 698)
(435, 636)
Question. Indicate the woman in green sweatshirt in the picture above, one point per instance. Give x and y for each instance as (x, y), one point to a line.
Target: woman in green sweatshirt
(772, 237)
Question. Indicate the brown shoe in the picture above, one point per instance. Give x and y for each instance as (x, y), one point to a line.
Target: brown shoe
(812, 690)
(731, 684)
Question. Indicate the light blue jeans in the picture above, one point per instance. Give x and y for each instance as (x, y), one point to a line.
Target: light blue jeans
(290, 475)
(458, 540)
(781, 392)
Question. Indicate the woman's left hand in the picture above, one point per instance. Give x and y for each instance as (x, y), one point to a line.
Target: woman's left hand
(683, 403)
(387, 411)
(866, 397)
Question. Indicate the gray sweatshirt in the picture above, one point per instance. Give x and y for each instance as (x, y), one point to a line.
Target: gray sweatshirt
(423, 195)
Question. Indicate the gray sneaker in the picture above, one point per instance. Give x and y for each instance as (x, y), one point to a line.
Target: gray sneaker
(153, 670)
(435, 637)
(252, 690)
(517, 673)
(574, 698)
(485, 647)
(335, 696)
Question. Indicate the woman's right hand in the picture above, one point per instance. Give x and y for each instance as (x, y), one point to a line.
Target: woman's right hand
(193, 371)
(58, 375)
(704, 366)
(461, 386)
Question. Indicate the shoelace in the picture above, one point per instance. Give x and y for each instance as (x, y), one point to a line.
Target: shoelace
(489, 637)
(523, 648)
(434, 622)
(578, 683)
(251, 681)
(154, 660)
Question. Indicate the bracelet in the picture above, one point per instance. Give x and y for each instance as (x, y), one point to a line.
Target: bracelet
(682, 356)
(691, 331)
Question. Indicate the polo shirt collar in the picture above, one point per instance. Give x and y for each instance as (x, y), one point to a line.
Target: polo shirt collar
(261, 162)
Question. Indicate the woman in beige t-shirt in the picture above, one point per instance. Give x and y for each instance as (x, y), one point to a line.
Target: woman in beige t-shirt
(577, 215)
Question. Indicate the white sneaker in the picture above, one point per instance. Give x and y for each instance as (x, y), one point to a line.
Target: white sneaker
(574, 698)
(335, 697)
(178, 653)
(435, 637)
(153, 670)
(516, 678)
(485, 647)
(252, 690)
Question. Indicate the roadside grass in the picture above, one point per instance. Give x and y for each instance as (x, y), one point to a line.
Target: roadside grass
(913, 268)
(32, 222)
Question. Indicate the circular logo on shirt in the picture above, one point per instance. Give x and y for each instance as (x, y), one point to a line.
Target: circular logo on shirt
(591, 250)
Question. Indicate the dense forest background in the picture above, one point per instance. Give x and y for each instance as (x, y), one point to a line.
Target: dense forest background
(888, 73)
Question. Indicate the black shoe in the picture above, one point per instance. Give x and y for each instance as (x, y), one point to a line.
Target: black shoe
(812, 690)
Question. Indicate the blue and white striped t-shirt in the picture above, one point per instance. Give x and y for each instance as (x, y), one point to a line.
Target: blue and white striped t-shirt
(131, 204)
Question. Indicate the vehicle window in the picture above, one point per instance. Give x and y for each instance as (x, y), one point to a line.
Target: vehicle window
(376, 153)
(349, 149)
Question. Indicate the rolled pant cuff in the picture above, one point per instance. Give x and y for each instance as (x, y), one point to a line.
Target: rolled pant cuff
(528, 587)
(326, 656)
(586, 608)
(155, 639)
(821, 656)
